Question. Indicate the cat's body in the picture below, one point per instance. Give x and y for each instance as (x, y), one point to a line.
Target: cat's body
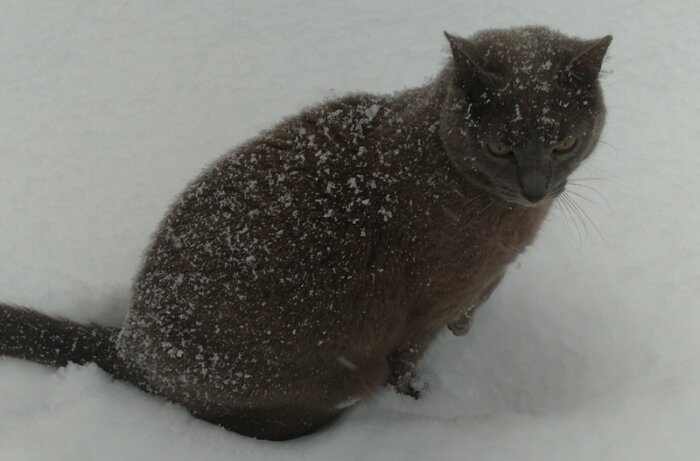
(311, 265)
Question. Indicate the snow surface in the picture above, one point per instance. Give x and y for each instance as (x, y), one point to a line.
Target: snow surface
(589, 350)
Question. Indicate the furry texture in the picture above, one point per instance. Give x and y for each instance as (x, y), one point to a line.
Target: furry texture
(315, 263)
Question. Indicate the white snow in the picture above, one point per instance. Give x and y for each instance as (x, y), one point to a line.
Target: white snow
(590, 350)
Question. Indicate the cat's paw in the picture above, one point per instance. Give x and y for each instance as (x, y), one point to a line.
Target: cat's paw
(461, 325)
(411, 386)
(408, 389)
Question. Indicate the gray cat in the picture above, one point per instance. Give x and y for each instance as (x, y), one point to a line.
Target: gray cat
(313, 264)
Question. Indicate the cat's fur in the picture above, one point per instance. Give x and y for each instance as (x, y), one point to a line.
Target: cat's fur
(313, 264)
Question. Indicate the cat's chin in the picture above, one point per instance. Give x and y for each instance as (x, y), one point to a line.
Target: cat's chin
(523, 202)
(518, 200)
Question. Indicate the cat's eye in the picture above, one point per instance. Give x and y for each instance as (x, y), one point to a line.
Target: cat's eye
(499, 149)
(564, 146)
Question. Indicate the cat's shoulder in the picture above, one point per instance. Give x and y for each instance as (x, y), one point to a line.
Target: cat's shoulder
(347, 118)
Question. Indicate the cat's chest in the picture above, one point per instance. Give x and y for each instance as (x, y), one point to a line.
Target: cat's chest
(463, 245)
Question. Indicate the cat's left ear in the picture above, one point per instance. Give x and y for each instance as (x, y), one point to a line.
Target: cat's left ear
(467, 71)
(585, 66)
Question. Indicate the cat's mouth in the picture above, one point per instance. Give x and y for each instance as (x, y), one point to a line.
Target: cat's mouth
(559, 190)
(518, 198)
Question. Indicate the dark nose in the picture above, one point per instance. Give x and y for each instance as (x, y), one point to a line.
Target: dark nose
(534, 186)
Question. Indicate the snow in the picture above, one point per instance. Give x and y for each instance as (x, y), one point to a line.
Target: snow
(589, 349)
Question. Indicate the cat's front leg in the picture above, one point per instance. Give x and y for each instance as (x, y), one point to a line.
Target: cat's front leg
(461, 324)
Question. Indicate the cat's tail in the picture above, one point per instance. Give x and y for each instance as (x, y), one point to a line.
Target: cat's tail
(30, 335)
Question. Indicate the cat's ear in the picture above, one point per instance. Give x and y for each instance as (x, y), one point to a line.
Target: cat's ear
(585, 66)
(467, 71)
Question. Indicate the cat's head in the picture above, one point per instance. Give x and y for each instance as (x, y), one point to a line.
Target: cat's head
(523, 109)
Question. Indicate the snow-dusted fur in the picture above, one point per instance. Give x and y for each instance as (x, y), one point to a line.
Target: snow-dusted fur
(311, 265)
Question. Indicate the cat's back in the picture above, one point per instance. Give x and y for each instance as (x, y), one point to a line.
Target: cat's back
(288, 190)
(269, 243)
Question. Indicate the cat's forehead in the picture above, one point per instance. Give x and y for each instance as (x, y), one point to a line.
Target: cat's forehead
(529, 97)
(531, 109)
(523, 56)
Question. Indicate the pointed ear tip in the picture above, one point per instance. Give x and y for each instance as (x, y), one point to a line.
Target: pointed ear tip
(448, 36)
(606, 40)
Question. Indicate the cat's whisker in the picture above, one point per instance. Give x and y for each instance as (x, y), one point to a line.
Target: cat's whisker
(608, 179)
(580, 219)
(483, 210)
(588, 179)
(559, 206)
(582, 212)
(588, 199)
(576, 211)
(473, 199)
(595, 226)
(574, 183)
(474, 204)
(570, 215)
(607, 144)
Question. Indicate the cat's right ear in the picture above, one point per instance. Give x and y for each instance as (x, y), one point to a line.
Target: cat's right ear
(585, 66)
(467, 71)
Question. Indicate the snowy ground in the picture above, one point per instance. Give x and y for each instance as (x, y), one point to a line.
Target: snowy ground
(589, 351)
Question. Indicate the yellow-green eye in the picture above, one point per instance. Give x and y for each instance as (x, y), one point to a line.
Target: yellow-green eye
(499, 149)
(565, 146)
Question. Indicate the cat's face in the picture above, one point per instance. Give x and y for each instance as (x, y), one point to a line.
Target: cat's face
(523, 109)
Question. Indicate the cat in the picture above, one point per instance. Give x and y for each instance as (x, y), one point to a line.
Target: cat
(313, 264)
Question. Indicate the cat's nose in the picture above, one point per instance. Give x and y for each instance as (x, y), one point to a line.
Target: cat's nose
(534, 186)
